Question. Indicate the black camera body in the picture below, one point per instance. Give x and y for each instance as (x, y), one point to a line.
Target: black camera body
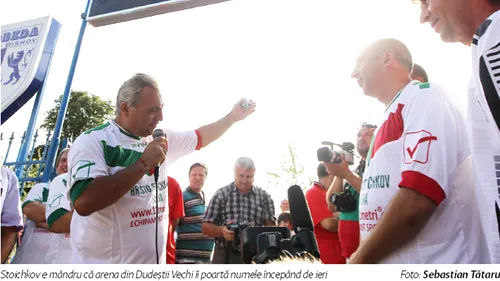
(264, 244)
(237, 228)
(344, 201)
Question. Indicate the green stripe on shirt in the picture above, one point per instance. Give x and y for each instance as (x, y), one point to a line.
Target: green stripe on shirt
(54, 216)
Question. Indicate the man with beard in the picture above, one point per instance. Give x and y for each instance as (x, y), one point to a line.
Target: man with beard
(347, 180)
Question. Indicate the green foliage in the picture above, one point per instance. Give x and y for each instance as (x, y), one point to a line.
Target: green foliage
(291, 172)
(85, 111)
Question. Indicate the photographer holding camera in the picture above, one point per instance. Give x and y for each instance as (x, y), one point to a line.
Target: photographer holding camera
(345, 190)
(235, 207)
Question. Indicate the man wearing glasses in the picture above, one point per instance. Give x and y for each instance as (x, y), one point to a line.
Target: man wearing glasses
(350, 181)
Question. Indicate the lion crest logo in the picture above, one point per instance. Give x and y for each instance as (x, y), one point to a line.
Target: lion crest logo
(17, 61)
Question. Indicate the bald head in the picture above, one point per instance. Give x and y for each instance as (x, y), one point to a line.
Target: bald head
(395, 47)
(383, 69)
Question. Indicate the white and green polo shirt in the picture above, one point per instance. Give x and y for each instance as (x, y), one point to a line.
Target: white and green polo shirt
(125, 231)
(57, 206)
(34, 246)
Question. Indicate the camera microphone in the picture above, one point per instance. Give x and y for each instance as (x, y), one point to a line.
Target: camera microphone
(329, 143)
(347, 146)
(301, 216)
(304, 240)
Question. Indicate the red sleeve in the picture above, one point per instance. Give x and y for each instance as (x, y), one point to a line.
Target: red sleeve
(317, 205)
(200, 140)
(175, 200)
(423, 184)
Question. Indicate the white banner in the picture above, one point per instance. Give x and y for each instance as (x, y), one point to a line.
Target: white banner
(249, 272)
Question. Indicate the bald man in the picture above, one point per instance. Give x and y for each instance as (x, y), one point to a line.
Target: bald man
(416, 201)
(419, 73)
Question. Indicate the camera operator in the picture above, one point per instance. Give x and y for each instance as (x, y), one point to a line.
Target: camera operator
(347, 180)
(234, 207)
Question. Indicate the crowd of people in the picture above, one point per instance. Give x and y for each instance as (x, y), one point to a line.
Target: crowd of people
(425, 191)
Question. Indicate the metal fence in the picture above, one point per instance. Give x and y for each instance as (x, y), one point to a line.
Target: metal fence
(31, 169)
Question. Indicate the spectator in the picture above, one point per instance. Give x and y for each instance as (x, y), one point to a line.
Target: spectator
(194, 247)
(34, 247)
(325, 222)
(418, 73)
(240, 203)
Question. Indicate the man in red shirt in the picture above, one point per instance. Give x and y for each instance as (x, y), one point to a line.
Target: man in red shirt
(175, 212)
(325, 222)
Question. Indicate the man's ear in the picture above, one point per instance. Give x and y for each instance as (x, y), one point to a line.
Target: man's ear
(388, 57)
(125, 109)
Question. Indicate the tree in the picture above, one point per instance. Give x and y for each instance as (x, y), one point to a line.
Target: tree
(85, 111)
(291, 172)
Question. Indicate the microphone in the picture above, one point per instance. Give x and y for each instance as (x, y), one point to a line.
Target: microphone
(301, 216)
(304, 240)
(347, 146)
(329, 143)
(157, 134)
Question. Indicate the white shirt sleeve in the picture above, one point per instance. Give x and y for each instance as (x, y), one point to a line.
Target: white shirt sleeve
(181, 144)
(86, 160)
(57, 202)
(11, 207)
(36, 194)
(433, 142)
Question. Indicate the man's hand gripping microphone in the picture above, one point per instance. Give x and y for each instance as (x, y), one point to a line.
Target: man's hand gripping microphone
(158, 133)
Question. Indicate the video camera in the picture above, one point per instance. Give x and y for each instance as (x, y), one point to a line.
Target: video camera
(237, 228)
(344, 201)
(264, 244)
(327, 154)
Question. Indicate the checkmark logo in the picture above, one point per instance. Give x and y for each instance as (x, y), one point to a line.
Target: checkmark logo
(420, 140)
(411, 152)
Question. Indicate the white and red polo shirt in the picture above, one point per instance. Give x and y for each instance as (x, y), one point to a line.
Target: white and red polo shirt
(422, 145)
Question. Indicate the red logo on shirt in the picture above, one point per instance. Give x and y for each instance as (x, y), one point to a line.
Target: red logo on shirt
(417, 146)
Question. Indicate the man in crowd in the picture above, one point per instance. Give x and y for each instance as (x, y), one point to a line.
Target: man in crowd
(194, 247)
(238, 203)
(111, 177)
(34, 247)
(175, 213)
(59, 214)
(416, 193)
(12, 218)
(418, 73)
(284, 206)
(350, 181)
(325, 222)
(476, 23)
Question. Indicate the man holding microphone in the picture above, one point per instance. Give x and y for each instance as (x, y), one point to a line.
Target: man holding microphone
(118, 216)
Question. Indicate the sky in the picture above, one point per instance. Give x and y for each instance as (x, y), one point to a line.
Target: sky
(294, 58)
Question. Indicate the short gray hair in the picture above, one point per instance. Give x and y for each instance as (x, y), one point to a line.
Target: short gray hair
(245, 163)
(61, 154)
(130, 90)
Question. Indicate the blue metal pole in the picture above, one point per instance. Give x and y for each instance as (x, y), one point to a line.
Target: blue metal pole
(23, 154)
(54, 144)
